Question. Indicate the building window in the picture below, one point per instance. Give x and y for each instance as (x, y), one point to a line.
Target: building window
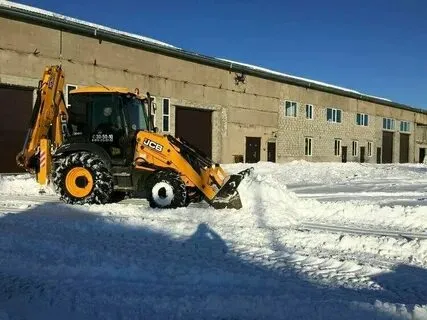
(333, 115)
(404, 126)
(362, 119)
(309, 111)
(337, 147)
(369, 149)
(290, 109)
(308, 147)
(166, 113)
(355, 148)
(388, 124)
(68, 89)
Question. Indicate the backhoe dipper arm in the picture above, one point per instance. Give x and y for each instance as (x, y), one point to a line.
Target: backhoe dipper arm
(48, 123)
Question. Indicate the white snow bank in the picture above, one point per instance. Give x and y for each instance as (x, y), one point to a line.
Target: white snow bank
(275, 177)
(411, 218)
(268, 195)
(23, 184)
(267, 199)
(305, 173)
(265, 196)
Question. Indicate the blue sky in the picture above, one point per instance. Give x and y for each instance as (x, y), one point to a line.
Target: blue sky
(377, 47)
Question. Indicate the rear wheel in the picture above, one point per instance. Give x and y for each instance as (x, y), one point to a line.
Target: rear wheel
(82, 178)
(165, 189)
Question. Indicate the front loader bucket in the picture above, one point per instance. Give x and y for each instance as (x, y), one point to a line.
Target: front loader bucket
(228, 196)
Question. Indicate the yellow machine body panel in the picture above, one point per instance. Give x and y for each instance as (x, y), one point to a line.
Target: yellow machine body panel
(156, 151)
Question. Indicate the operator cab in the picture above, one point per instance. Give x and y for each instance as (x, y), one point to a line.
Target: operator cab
(108, 117)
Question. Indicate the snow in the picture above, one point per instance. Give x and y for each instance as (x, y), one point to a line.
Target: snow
(23, 184)
(128, 261)
(376, 97)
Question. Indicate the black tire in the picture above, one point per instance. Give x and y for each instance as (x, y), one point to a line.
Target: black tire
(165, 189)
(194, 195)
(99, 189)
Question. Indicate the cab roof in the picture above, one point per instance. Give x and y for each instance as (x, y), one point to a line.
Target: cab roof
(101, 89)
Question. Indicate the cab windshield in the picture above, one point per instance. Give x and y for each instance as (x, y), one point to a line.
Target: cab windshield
(136, 113)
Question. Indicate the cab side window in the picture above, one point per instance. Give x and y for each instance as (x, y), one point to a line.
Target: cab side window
(77, 110)
(105, 114)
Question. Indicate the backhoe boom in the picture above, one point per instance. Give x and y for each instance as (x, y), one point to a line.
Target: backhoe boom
(48, 125)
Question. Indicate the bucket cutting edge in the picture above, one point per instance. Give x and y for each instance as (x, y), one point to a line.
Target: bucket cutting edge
(228, 196)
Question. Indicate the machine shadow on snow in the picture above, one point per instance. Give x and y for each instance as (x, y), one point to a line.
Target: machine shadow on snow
(81, 265)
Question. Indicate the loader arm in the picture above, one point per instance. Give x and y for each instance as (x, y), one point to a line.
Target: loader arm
(47, 126)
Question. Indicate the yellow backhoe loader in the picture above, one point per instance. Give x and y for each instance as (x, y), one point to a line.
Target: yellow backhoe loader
(103, 146)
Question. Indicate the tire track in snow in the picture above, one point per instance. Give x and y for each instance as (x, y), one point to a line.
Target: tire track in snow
(313, 267)
(227, 231)
(7, 205)
(363, 231)
(322, 270)
(285, 264)
(147, 217)
(301, 262)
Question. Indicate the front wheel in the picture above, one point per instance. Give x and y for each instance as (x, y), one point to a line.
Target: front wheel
(165, 189)
(82, 178)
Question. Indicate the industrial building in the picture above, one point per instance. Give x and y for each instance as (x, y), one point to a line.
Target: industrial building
(232, 111)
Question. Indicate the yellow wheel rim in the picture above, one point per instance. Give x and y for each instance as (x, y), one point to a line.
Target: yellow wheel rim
(79, 182)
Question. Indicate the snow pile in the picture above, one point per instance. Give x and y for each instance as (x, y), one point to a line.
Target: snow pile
(409, 218)
(303, 172)
(268, 192)
(287, 194)
(266, 196)
(23, 184)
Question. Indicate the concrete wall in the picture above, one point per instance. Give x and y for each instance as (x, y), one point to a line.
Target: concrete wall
(239, 110)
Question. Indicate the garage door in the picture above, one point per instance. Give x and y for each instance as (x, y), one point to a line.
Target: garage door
(15, 112)
(195, 126)
(404, 148)
(387, 147)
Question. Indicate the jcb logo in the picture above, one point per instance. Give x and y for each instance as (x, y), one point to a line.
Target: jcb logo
(153, 145)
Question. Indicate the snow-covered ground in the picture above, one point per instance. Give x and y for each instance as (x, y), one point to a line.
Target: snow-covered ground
(313, 241)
